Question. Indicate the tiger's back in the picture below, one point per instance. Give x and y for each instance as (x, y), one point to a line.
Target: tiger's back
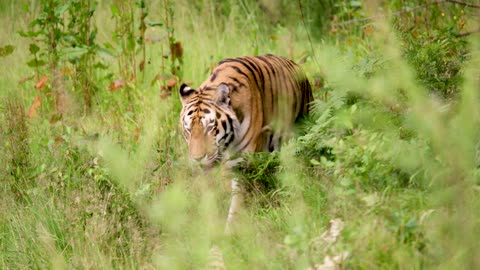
(254, 100)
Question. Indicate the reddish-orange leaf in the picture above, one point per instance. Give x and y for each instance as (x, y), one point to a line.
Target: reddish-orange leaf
(318, 83)
(40, 83)
(66, 71)
(415, 33)
(59, 139)
(164, 95)
(176, 49)
(33, 108)
(115, 85)
(162, 77)
(55, 118)
(136, 134)
(171, 83)
(368, 30)
(164, 92)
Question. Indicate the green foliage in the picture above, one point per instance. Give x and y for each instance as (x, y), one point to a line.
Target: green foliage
(315, 15)
(259, 173)
(14, 134)
(63, 33)
(124, 38)
(82, 48)
(433, 46)
(259, 168)
(437, 62)
(6, 50)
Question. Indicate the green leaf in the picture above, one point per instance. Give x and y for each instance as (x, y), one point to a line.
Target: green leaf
(346, 182)
(73, 53)
(411, 224)
(32, 33)
(370, 199)
(92, 36)
(290, 240)
(61, 9)
(100, 65)
(6, 50)
(24, 34)
(36, 63)
(70, 39)
(34, 48)
(140, 3)
(153, 24)
(314, 162)
(108, 50)
(114, 10)
(350, 191)
(355, 3)
(130, 43)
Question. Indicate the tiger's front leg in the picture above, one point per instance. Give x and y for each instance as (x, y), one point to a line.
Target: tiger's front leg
(237, 197)
(236, 204)
(238, 191)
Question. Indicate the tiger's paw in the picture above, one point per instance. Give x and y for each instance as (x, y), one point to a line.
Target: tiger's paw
(215, 259)
(230, 164)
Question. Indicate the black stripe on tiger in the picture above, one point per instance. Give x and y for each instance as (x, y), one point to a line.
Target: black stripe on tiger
(240, 61)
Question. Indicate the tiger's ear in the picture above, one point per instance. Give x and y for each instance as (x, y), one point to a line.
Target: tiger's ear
(223, 95)
(185, 92)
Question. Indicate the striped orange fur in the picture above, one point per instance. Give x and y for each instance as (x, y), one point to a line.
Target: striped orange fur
(248, 104)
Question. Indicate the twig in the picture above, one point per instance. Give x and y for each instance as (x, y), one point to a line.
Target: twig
(467, 33)
(407, 10)
(400, 12)
(464, 3)
(308, 33)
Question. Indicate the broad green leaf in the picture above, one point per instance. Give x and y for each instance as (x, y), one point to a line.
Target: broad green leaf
(355, 3)
(73, 53)
(130, 43)
(61, 9)
(6, 50)
(153, 24)
(314, 162)
(106, 51)
(114, 10)
(36, 63)
(345, 182)
(34, 48)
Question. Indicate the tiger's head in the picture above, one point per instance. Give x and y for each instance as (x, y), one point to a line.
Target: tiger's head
(208, 121)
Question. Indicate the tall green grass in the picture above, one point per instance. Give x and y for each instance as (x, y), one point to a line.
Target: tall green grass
(115, 188)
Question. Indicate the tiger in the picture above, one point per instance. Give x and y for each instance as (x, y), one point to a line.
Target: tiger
(236, 108)
(247, 104)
